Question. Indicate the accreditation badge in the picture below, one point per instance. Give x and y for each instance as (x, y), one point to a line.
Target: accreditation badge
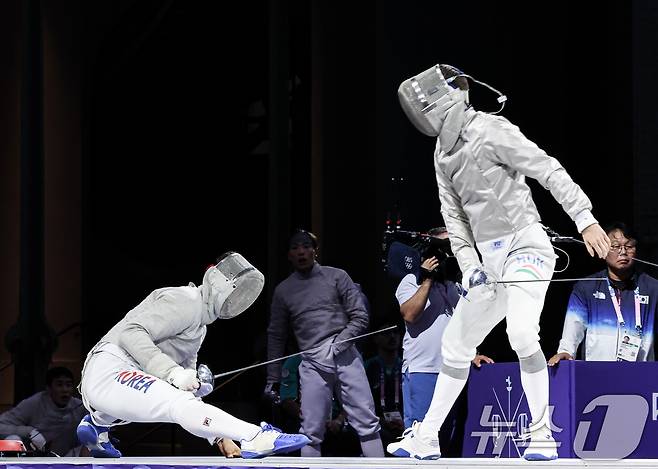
(629, 345)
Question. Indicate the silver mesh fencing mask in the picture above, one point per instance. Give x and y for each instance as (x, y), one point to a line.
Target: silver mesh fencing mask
(233, 285)
(427, 97)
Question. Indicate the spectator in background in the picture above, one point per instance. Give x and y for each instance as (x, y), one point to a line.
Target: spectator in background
(323, 307)
(597, 309)
(426, 305)
(46, 422)
(384, 372)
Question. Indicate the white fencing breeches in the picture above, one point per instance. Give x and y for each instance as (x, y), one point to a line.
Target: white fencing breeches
(115, 390)
(526, 255)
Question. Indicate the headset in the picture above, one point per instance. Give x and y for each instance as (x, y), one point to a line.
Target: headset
(451, 81)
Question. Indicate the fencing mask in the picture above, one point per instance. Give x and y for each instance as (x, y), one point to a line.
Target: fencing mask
(427, 97)
(233, 285)
(435, 100)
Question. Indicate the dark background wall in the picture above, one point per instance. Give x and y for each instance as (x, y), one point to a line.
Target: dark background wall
(174, 131)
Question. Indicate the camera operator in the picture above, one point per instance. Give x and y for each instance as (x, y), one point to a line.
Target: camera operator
(426, 305)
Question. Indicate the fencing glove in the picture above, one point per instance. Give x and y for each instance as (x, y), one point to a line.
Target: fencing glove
(185, 380)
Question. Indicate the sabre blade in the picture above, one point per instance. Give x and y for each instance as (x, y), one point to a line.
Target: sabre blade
(644, 262)
(584, 279)
(227, 373)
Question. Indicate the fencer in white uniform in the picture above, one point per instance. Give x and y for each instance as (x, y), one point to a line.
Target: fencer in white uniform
(481, 162)
(144, 368)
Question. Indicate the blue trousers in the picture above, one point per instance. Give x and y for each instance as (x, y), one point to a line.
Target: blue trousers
(417, 392)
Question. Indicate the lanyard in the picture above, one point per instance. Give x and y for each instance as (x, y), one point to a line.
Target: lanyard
(616, 302)
(382, 391)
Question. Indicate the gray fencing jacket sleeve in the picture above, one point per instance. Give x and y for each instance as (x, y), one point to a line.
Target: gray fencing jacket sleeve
(164, 331)
(514, 150)
(277, 334)
(457, 223)
(355, 309)
(482, 185)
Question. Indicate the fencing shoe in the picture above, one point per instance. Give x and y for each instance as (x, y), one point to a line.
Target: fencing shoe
(270, 440)
(96, 439)
(411, 446)
(541, 445)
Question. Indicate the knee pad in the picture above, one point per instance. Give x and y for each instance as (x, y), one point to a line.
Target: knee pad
(456, 373)
(533, 363)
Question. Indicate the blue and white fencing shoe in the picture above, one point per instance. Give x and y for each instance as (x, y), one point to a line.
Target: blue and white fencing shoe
(96, 439)
(270, 440)
(411, 446)
(542, 445)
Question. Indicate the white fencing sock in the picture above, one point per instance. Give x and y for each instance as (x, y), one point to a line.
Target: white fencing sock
(449, 385)
(534, 378)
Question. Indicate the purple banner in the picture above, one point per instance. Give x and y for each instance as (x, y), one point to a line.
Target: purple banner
(598, 410)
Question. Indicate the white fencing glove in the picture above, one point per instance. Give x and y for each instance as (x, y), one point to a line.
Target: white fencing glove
(37, 440)
(479, 285)
(183, 379)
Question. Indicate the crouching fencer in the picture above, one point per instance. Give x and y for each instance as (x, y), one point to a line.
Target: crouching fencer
(144, 368)
(481, 162)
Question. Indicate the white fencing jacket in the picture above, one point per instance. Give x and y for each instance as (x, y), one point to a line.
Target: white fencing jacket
(482, 185)
(165, 330)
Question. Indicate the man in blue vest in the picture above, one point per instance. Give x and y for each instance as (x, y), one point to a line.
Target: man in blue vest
(615, 317)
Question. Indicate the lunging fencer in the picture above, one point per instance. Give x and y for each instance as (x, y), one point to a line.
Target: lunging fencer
(144, 368)
(481, 162)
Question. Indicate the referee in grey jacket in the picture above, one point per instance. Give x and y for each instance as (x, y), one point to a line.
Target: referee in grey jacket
(323, 306)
